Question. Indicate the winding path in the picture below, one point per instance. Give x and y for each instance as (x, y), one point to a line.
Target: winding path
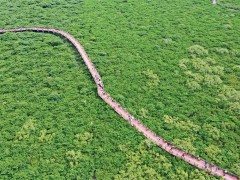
(195, 161)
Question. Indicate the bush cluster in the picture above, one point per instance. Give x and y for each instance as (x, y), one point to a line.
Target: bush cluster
(201, 72)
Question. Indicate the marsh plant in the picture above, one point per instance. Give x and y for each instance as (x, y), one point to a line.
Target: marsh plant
(197, 51)
(201, 72)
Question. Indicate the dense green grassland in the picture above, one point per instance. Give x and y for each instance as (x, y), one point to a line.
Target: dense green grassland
(174, 64)
(230, 3)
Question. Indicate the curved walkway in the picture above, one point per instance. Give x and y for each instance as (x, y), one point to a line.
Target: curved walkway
(195, 161)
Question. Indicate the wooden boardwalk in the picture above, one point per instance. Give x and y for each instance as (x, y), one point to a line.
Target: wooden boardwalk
(167, 146)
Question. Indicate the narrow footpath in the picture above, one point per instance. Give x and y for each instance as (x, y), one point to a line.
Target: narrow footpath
(167, 146)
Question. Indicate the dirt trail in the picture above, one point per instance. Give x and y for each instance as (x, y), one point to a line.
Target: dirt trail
(167, 146)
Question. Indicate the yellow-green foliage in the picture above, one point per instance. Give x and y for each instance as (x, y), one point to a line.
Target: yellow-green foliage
(153, 79)
(138, 166)
(46, 136)
(82, 139)
(222, 51)
(231, 96)
(185, 144)
(213, 152)
(167, 41)
(212, 131)
(197, 51)
(26, 130)
(186, 125)
(143, 113)
(135, 167)
(73, 157)
(201, 72)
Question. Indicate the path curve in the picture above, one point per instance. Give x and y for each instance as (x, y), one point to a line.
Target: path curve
(167, 146)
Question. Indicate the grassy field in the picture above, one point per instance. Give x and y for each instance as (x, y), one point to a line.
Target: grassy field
(174, 64)
(231, 3)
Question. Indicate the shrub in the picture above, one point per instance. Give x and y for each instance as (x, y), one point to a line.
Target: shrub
(198, 77)
(222, 51)
(201, 65)
(193, 85)
(167, 41)
(189, 73)
(210, 61)
(235, 107)
(227, 26)
(73, 157)
(143, 112)
(204, 72)
(186, 125)
(213, 152)
(235, 53)
(82, 139)
(183, 63)
(218, 70)
(153, 79)
(212, 80)
(212, 131)
(185, 144)
(197, 51)
(229, 94)
(46, 136)
(102, 53)
(168, 119)
(25, 131)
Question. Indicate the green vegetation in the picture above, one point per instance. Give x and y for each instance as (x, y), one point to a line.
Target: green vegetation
(230, 3)
(172, 64)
